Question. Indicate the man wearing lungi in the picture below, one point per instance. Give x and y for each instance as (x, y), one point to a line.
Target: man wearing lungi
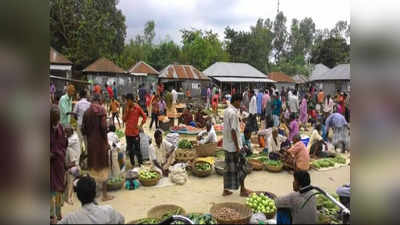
(235, 160)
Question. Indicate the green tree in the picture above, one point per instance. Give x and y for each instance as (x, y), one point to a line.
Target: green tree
(149, 32)
(201, 49)
(331, 52)
(85, 30)
(167, 52)
(280, 35)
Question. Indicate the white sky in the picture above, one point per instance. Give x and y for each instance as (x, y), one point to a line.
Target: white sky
(172, 15)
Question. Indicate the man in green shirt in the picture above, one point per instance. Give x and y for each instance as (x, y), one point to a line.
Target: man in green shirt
(65, 105)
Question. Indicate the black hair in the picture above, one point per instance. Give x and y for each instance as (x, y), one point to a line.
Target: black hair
(246, 130)
(236, 97)
(294, 92)
(318, 127)
(111, 128)
(292, 116)
(82, 93)
(86, 190)
(252, 91)
(130, 96)
(157, 133)
(302, 177)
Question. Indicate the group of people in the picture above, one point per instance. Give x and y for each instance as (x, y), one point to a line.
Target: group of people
(282, 114)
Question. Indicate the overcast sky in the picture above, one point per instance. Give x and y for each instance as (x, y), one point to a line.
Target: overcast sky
(172, 15)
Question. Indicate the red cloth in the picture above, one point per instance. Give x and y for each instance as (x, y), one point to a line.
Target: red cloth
(110, 92)
(131, 119)
(94, 126)
(215, 102)
(58, 146)
(97, 89)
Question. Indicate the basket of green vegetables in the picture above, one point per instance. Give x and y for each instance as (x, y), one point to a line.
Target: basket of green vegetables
(202, 169)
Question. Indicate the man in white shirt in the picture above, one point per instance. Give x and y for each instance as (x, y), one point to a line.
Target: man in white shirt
(236, 170)
(211, 135)
(275, 140)
(251, 124)
(174, 96)
(162, 154)
(91, 213)
(80, 108)
(293, 102)
(73, 154)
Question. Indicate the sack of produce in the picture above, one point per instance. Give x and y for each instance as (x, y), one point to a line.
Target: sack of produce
(178, 174)
(258, 218)
(172, 138)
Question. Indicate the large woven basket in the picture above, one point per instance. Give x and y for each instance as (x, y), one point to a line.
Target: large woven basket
(160, 210)
(115, 186)
(150, 182)
(244, 211)
(256, 164)
(137, 221)
(185, 155)
(274, 169)
(201, 173)
(206, 150)
(271, 196)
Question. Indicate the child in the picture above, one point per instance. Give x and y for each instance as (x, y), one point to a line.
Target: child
(114, 108)
(246, 142)
(73, 154)
(114, 143)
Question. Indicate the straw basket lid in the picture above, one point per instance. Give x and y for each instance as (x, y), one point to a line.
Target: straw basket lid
(160, 210)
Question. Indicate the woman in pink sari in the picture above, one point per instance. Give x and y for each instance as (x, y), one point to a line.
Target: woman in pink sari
(303, 112)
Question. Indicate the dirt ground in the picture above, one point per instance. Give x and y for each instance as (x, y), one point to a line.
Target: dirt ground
(198, 194)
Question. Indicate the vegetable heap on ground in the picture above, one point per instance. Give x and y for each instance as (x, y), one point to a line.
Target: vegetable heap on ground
(148, 221)
(170, 213)
(327, 208)
(261, 203)
(148, 175)
(328, 162)
(185, 144)
(275, 163)
(199, 218)
(203, 166)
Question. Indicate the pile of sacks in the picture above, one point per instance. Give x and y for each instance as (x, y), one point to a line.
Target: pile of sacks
(178, 174)
(172, 138)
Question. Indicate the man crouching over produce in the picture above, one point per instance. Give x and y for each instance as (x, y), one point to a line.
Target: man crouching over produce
(297, 157)
(301, 203)
(91, 212)
(162, 154)
(211, 135)
(235, 159)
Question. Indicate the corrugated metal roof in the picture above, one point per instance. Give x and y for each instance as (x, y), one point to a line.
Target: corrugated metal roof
(182, 72)
(318, 71)
(243, 79)
(300, 79)
(280, 77)
(103, 65)
(228, 69)
(142, 67)
(58, 58)
(339, 72)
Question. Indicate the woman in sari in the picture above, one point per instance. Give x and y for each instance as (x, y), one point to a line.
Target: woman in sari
(303, 112)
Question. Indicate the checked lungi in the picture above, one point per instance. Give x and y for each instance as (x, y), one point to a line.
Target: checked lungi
(236, 169)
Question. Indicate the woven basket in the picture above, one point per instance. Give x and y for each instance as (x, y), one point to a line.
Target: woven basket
(206, 150)
(150, 182)
(185, 155)
(136, 221)
(244, 211)
(274, 169)
(256, 164)
(220, 167)
(201, 173)
(160, 210)
(271, 196)
(115, 186)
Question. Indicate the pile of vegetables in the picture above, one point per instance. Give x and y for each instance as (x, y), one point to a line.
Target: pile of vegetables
(202, 166)
(261, 203)
(115, 180)
(199, 218)
(170, 213)
(275, 163)
(323, 163)
(148, 221)
(120, 133)
(327, 208)
(225, 213)
(185, 144)
(339, 159)
(148, 175)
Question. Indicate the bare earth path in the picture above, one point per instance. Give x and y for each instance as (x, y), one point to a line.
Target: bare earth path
(198, 193)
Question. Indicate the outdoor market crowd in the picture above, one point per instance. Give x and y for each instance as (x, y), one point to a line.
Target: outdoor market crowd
(275, 117)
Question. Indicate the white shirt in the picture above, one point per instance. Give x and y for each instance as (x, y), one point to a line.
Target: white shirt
(275, 146)
(211, 136)
(94, 214)
(293, 103)
(159, 154)
(314, 138)
(73, 149)
(174, 96)
(253, 105)
(113, 139)
(231, 122)
(80, 109)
